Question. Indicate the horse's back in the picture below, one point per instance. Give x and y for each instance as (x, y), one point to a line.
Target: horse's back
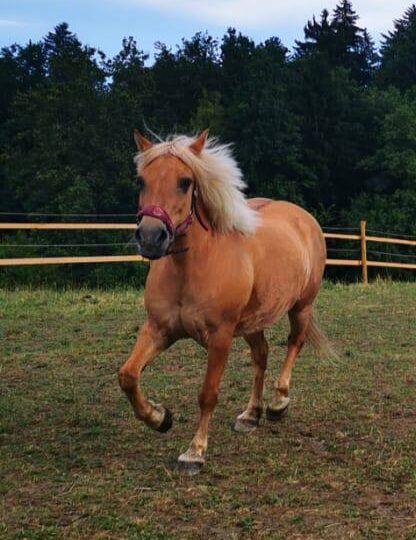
(289, 229)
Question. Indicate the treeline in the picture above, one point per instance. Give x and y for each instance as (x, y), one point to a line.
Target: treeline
(330, 125)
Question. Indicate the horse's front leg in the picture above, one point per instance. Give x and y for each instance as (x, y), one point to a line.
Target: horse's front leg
(150, 342)
(218, 349)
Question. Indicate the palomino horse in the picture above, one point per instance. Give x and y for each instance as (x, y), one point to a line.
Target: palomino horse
(223, 266)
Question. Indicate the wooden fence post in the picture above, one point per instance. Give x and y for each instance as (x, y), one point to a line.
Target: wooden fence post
(363, 254)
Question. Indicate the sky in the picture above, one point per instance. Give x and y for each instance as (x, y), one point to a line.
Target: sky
(104, 23)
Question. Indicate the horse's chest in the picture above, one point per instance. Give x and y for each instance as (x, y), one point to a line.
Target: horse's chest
(194, 322)
(182, 319)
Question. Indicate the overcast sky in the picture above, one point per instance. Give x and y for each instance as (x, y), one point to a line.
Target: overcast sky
(103, 23)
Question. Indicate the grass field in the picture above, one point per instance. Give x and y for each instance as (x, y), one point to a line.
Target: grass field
(76, 464)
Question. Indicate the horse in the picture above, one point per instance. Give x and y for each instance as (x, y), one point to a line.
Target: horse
(221, 266)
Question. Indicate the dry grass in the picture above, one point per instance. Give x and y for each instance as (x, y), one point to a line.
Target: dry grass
(76, 464)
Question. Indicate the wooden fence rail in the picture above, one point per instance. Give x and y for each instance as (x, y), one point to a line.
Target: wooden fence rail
(363, 261)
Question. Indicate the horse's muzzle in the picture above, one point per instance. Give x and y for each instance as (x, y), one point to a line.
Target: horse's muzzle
(152, 240)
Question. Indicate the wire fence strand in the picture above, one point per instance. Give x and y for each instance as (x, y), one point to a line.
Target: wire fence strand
(340, 228)
(373, 231)
(387, 253)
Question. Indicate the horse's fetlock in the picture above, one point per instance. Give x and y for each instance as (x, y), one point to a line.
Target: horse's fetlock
(282, 388)
(258, 411)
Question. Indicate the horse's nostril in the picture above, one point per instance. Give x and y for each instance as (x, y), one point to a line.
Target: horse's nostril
(137, 235)
(162, 236)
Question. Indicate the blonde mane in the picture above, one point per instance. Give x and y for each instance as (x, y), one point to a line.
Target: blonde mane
(219, 181)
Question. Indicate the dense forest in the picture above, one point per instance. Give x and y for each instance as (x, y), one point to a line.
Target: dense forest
(330, 125)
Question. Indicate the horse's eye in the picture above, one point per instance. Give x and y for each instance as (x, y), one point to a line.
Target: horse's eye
(140, 183)
(184, 184)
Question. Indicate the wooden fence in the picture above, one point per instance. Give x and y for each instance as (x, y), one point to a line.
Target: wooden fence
(363, 238)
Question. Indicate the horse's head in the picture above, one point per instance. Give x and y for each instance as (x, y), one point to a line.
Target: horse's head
(167, 188)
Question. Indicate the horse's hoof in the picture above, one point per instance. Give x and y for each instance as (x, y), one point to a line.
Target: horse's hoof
(190, 462)
(167, 422)
(245, 425)
(190, 467)
(273, 415)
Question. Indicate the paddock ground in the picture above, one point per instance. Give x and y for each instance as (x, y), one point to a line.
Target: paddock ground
(76, 464)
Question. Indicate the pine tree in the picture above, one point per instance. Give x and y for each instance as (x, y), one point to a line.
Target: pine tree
(398, 53)
(341, 41)
(355, 48)
(318, 37)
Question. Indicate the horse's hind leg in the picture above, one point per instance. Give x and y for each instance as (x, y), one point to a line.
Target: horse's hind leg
(249, 419)
(299, 321)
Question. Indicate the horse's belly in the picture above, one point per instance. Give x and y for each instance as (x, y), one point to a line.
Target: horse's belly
(255, 324)
(262, 312)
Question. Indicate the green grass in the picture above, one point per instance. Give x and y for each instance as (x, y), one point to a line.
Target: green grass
(74, 462)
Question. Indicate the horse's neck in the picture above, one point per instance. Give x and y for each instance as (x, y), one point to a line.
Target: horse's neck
(197, 241)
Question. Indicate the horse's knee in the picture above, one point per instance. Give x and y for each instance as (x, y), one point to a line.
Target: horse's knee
(127, 380)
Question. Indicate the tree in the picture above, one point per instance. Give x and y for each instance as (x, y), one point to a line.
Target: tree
(319, 37)
(331, 67)
(236, 53)
(392, 213)
(391, 165)
(398, 53)
(181, 79)
(126, 106)
(258, 118)
(341, 41)
(334, 130)
(53, 135)
(21, 70)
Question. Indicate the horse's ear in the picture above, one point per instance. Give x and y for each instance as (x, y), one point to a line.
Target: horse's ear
(199, 143)
(142, 143)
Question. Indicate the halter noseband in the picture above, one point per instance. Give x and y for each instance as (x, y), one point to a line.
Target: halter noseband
(160, 213)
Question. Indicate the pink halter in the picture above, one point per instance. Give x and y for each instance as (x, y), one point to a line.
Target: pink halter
(159, 213)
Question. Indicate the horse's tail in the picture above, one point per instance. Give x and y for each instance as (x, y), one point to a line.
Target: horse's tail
(318, 341)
